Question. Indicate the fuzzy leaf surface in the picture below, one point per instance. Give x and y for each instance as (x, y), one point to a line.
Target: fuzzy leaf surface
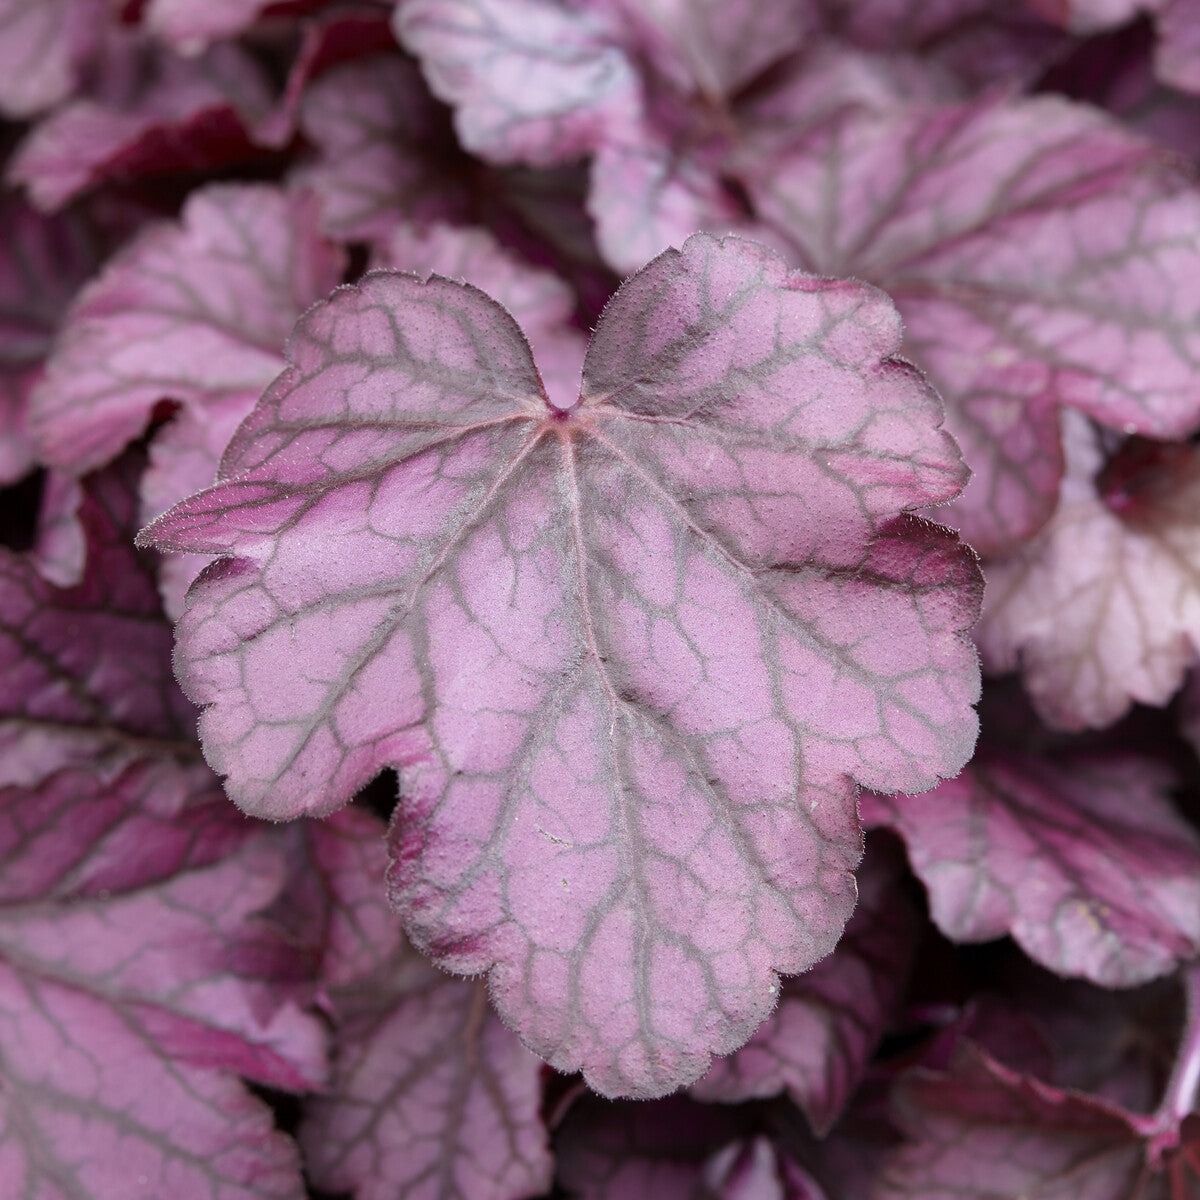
(1040, 256)
(1102, 608)
(1085, 863)
(818, 1041)
(431, 1095)
(540, 301)
(609, 645)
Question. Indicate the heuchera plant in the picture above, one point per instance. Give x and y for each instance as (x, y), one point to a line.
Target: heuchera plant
(505, 506)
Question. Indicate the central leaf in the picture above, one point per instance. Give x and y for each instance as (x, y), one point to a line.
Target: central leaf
(631, 655)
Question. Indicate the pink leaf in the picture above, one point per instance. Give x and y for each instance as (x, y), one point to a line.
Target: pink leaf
(818, 1041)
(532, 81)
(654, 1151)
(190, 26)
(1178, 58)
(980, 1121)
(1102, 608)
(609, 644)
(341, 32)
(42, 262)
(1090, 16)
(196, 313)
(1039, 255)
(85, 671)
(753, 1169)
(382, 143)
(697, 47)
(43, 48)
(540, 302)
(644, 195)
(78, 836)
(981, 43)
(431, 1094)
(1084, 862)
(131, 999)
(150, 113)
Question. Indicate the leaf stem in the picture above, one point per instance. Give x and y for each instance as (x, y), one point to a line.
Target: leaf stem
(1161, 1128)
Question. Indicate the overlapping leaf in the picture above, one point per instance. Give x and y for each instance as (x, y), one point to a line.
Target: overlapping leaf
(532, 81)
(196, 313)
(43, 48)
(637, 1151)
(1040, 257)
(190, 26)
(85, 671)
(42, 262)
(1084, 862)
(609, 644)
(979, 42)
(980, 1124)
(131, 975)
(817, 1042)
(147, 112)
(431, 1095)
(541, 302)
(1102, 608)
(382, 142)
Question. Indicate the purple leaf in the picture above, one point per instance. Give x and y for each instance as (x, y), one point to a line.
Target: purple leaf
(541, 303)
(817, 1042)
(1178, 57)
(1084, 862)
(85, 671)
(42, 262)
(196, 313)
(341, 32)
(131, 999)
(43, 47)
(59, 550)
(431, 1094)
(609, 644)
(1039, 255)
(1102, 608)
(981, 1124)
(150, 113)
(753, 1170)
(695, 45)
(531, 81)
(382, 143)
(654, 1151)
(980, 43)
(644, 195)
(190, 26)
(1090, 16)
(76, 836)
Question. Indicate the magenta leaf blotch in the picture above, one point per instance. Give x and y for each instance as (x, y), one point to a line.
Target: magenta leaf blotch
(630, 655)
